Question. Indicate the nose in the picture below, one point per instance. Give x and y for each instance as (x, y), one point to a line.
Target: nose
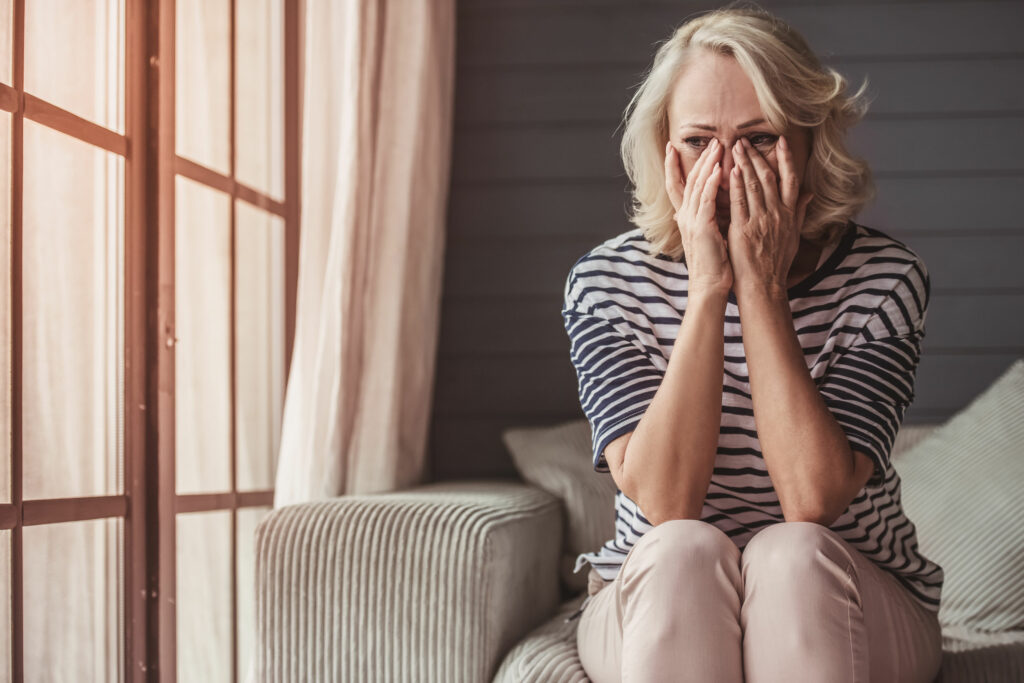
(727, 162)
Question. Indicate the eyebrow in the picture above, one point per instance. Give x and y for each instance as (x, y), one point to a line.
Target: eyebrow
(704, 126)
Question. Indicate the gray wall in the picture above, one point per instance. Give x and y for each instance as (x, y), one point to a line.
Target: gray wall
(536, 181)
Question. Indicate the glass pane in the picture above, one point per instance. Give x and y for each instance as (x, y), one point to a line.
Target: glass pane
(6, 323)
(203, 86)
(202, 355)
(204, 596)
(5, 606)
(74, 57)
(73, 580)
(259, 83)
(6, 40)
(248, 518)
(72, 265)
(259, 339)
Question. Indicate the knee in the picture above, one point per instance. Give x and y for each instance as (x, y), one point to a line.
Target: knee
(793, 552)
(683, 546)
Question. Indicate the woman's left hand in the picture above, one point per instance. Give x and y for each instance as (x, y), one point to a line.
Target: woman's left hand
(766, 215)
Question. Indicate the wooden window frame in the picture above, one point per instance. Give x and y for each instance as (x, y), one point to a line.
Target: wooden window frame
(149, 504)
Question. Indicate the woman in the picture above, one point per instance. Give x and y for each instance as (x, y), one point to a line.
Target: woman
(745, 358)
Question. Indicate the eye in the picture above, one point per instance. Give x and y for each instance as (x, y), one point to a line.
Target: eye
(763, 139)
(696, 143)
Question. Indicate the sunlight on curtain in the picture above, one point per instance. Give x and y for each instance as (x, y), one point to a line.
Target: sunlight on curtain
(6, 332)
(72, 389)
(6, 329)
(202, 426)
(259, 344)
(74, 57)
(6, 41)
(202, 356)
(259, 96)
(246, 577)
(73, 310)
(259, 286)
(75, 638)
(204, 596)
(71, 356)
(203, 317)
(202, 79)
(5, 605)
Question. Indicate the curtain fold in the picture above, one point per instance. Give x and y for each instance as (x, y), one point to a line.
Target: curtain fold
(376, 153)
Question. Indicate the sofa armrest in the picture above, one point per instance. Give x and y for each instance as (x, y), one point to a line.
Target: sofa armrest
(434, 583)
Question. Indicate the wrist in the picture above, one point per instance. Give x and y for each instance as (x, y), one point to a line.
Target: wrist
(763, 291)
(713, 296)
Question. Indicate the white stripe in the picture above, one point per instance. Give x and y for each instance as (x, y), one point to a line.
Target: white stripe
(879, 397)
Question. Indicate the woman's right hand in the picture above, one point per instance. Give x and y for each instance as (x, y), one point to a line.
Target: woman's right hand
(705, 248)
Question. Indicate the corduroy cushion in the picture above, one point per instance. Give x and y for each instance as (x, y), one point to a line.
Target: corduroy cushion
(962, 489)
(557, 459)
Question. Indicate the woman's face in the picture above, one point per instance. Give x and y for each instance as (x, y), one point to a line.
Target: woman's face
(714, 98)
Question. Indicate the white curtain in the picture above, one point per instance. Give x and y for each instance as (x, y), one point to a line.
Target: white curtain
(203, 286)
(72, 303)
(378, 85)
(376, 139)
(73, 308)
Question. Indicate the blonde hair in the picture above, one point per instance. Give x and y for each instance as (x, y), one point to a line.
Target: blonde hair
(792, 87)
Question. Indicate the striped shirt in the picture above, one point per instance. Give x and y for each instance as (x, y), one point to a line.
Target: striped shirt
(860, 320)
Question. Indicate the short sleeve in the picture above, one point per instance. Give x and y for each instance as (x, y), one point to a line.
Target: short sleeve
(617, 380)
(869, 385)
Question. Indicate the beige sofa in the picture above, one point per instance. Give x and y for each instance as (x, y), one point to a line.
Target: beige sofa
(466, 581)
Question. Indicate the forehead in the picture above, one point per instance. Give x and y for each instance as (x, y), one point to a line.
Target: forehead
(713, 89)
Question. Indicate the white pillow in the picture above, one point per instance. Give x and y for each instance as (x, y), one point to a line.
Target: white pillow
(961, 488)
(557, 459)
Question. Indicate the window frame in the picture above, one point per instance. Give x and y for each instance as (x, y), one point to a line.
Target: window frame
(149, 504)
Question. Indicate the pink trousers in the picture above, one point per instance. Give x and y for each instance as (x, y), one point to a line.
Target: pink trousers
(798, 604)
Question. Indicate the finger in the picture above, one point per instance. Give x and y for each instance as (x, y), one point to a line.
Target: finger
(706, 208)
(687, 180)
(699, 176)
(691, 181)
(789, 184)
(674, 182)
(751, 183)
(739, 212)
(801, 211)
(675, 177)
(769, 180)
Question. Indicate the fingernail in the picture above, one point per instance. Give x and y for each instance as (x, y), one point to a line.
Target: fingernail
(782, 142)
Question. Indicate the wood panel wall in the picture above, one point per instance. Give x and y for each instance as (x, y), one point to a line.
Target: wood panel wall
(541, 86)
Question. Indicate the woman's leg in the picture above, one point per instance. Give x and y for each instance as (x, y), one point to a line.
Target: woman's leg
(671, 614)
(816, 609)
(599, 635)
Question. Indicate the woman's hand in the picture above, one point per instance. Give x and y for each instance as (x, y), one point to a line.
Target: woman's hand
(766, 216)
(705, 249)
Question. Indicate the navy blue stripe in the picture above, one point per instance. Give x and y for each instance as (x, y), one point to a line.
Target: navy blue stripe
(859, 322)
